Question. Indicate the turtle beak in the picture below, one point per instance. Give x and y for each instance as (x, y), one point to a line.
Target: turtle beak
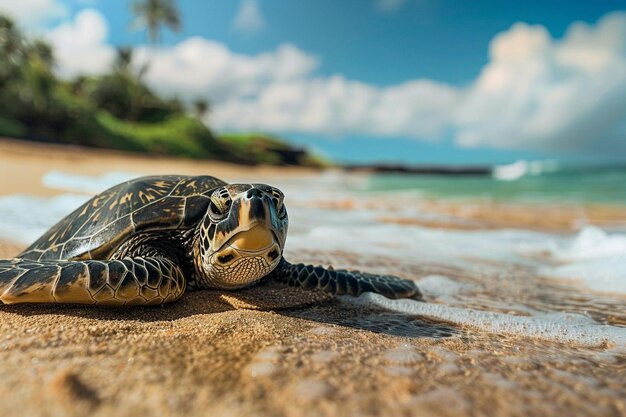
(256, 239)
(258, 242)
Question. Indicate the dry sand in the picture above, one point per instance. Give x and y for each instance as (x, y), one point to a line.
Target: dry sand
(22, 165)
(270, 351)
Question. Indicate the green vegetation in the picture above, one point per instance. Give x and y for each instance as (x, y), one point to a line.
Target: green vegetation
(264, 149)
(116, 110)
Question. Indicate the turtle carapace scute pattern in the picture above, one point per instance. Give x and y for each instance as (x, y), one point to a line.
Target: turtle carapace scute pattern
(148, 240)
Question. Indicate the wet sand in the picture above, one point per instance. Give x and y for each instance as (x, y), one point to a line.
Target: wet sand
(481, 215)
(475, 216)
(271, 351)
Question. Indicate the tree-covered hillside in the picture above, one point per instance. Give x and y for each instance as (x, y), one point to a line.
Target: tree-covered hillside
(116, 110)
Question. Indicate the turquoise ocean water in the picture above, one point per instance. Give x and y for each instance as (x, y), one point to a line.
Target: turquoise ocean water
(567, 185)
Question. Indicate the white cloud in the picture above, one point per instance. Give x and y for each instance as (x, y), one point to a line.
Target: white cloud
(390, 5)
(198, 67)
(33, 13)
(277, 91)
(80, 45)
(541, 93)
(337, 106)
(249, 17)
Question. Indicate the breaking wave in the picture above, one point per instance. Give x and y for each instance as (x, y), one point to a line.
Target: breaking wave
(521, 168)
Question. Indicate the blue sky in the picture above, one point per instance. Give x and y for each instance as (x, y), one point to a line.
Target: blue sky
(428, 81)
(436, 39)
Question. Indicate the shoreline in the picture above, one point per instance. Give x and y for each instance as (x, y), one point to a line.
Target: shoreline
(25, 163)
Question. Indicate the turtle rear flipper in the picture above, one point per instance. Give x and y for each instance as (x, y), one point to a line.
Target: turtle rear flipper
(344, 282)
(128, 281)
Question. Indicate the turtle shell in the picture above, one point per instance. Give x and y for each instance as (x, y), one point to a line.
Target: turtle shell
(99, 227)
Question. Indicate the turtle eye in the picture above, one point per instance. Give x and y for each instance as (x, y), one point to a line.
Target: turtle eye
(220, 204)
(278, 199)
(282, 211)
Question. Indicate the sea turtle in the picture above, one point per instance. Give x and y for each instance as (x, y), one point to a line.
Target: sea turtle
(146, 241)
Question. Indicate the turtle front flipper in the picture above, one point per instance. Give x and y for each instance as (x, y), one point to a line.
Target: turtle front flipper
(344, 282)
(128, 281)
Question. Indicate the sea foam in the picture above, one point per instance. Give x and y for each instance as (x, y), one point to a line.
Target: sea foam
(593, 257)
(84, 183)
(23, 218)
(558, 327)
(607, 274)
(590, 243)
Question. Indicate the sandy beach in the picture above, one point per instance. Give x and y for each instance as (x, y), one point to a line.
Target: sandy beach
(271, 351)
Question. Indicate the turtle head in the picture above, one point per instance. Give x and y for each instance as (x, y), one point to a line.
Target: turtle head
(242, 235)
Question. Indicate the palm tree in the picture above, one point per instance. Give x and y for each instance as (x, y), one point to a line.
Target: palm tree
(152, 14)
(123, 59)
(41, 51)
(201, 107)
(12, 47)
(10, 37)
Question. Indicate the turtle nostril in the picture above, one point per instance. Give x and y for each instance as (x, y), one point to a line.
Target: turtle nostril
(254, 192)
(273, 254)
(225, 258)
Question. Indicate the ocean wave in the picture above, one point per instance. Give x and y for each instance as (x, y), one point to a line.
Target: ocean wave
(521, 168)
(593, 257)
(590, 243)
